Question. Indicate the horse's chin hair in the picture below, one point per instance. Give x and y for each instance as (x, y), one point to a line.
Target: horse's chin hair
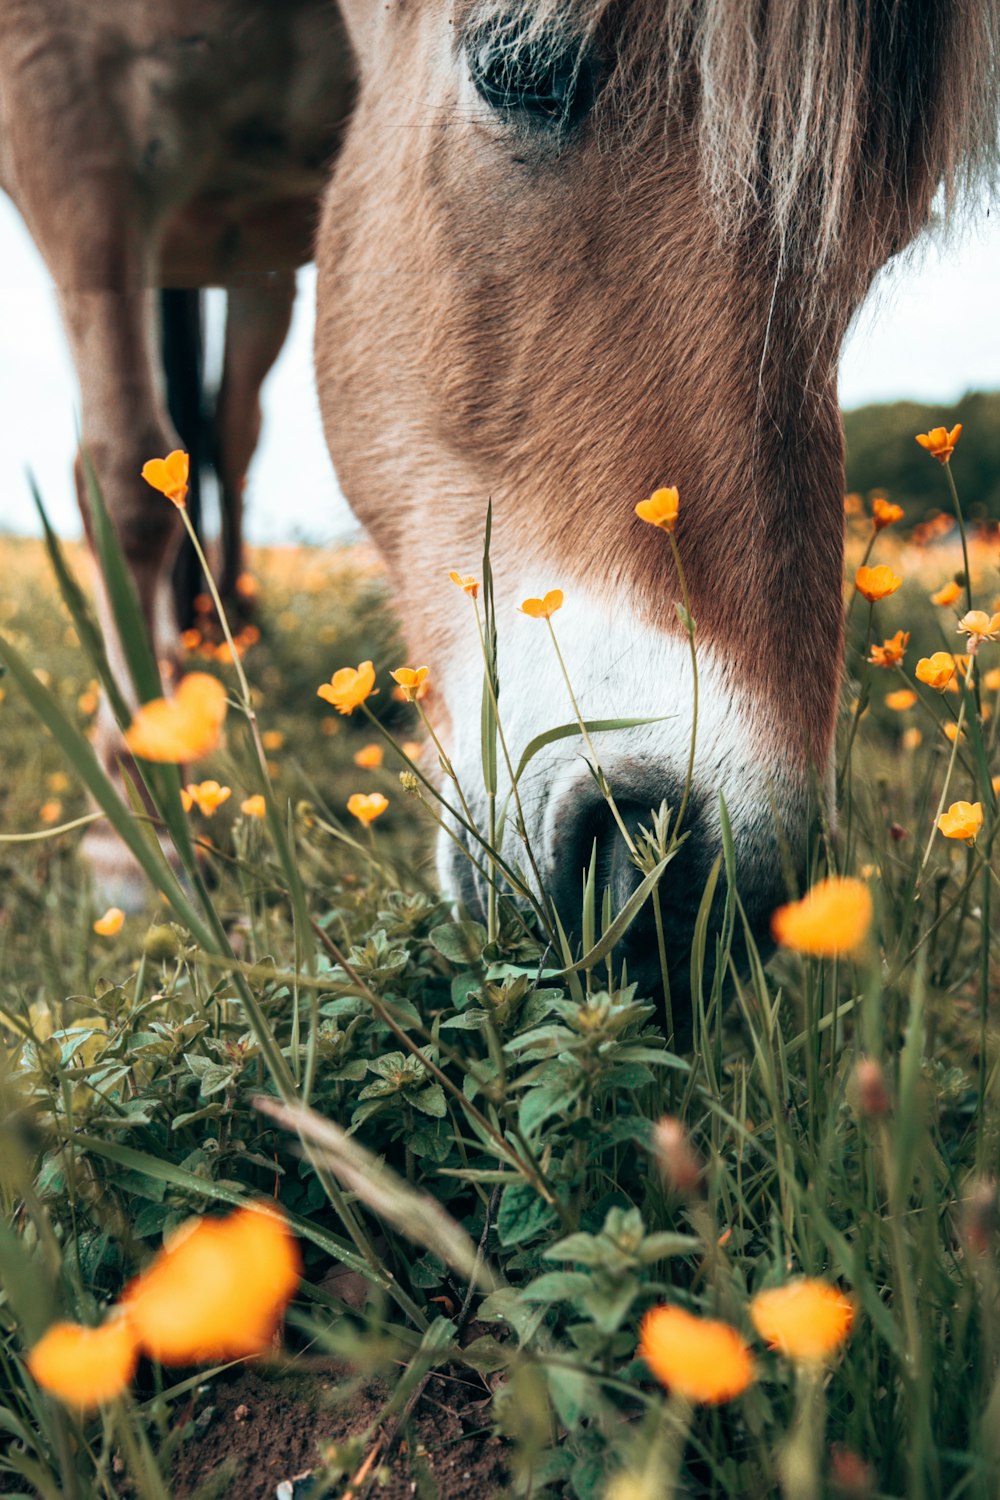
(621, 667)
(825, 126)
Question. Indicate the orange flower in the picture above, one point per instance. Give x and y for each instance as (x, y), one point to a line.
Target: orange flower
(111, 923)
(348, 688)
(991, 679)
(939, 442)
(952, 732)
(410, 681)
(412, 749)
(369, 757)
(912, 738)
(892, 651)
(367, 806)
(963, 820)
(806, 1320)
(660, 509)
(937, 670)
(247, 586)
(884, 513)
(170, 476)
(543, 609)
(254, 807)
(51, 811)
(185, 727)
(85, 1367)
(469, 584)
(947, 594)
(88, 701)
(700, 1359)
(876, 583)
(273, 739)
(191, 639)
(900, 700)
(218, 1288)
(833, 917)
(979, 626)
(207, 796)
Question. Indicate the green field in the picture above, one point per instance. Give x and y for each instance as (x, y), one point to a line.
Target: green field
(479, 1251)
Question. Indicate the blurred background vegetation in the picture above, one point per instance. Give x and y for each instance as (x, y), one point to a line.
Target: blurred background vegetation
(881, 454)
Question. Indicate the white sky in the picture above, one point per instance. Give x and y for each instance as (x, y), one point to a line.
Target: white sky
(931, 332)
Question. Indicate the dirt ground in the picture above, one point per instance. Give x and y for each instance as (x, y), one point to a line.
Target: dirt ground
(262, 1429)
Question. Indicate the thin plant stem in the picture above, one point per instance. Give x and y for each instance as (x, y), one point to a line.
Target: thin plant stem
(689, 630)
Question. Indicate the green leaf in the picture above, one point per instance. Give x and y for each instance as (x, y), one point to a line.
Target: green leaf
(26, 1285)
(460, 942)
(523, 1215)
(622, 921)
(567, 731)
(573, 1394)
(556, 1286)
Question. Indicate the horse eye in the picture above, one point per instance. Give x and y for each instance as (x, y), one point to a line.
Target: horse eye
(548, 83)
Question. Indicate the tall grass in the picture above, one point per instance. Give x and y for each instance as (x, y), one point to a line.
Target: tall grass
(468, 1111)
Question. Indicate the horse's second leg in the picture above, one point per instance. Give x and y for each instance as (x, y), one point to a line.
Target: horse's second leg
(124, 422)
(258, 316)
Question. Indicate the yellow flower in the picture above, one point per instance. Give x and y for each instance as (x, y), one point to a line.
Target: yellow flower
(369, 757)
(700, 1359)
(412, 749)
(50, 811)
(218, 1288)
(660, 509)
(88, 702)
(411, 681)
(900, 700)
(937, 670)
(191, 639)
(892, 651)
(469, 584)
(367, 806)
(884, 513)
(111, 923)
(947, 594)
(207, 796)
(912, 738)
(348, 688)
(952, 732)
(543, 609)
(979, 626)
(963, 820)
(170, 476)
(57, 781)
(807, 1320)
(876, 583)
(85, 1367)
(939, 442)
(991, 679)
(253, 807)
(833, 917)
(273, 739)
(185, 727)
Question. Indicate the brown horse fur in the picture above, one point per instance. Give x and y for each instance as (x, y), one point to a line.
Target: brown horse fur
(564, 321)
(168, 143)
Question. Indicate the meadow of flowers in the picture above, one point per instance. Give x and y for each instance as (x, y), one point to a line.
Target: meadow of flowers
(303, 1113)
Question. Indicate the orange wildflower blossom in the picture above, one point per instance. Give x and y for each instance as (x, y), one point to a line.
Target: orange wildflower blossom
(885, 513)
(184, 727)
(254, 807)
(702, 1360)
(369, 757)
(876, 583)
(367, 806)
(207, 796)
(939, 442)
(660, 509)
(111, 923)
(900, 700)
(937, 670)
(891, 652)
(833, 917)
(412, 682)
(170, 476)
(349, 687)
(218, 1288)
(468, 583)
(947, 594)
(979, 627)
(807, 1320)
(963, 820)
(84, 1367)
(544, 608)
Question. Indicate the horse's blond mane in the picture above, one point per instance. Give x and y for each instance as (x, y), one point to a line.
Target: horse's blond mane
(833, 122)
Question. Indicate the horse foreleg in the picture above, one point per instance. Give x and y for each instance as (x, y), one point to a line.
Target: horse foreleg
(258, 316)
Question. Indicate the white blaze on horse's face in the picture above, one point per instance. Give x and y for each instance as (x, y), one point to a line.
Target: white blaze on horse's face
(529, 294)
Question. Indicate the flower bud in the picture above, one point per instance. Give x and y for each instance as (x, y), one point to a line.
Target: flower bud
(981, 1216)
(677, 1158)
(873, 1093)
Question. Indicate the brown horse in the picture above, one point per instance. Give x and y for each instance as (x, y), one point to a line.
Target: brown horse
(574, 250)
(180, 144)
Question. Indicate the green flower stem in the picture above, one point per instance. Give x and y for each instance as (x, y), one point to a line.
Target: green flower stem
(961, 531)
(944, 789)
(689, 629)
